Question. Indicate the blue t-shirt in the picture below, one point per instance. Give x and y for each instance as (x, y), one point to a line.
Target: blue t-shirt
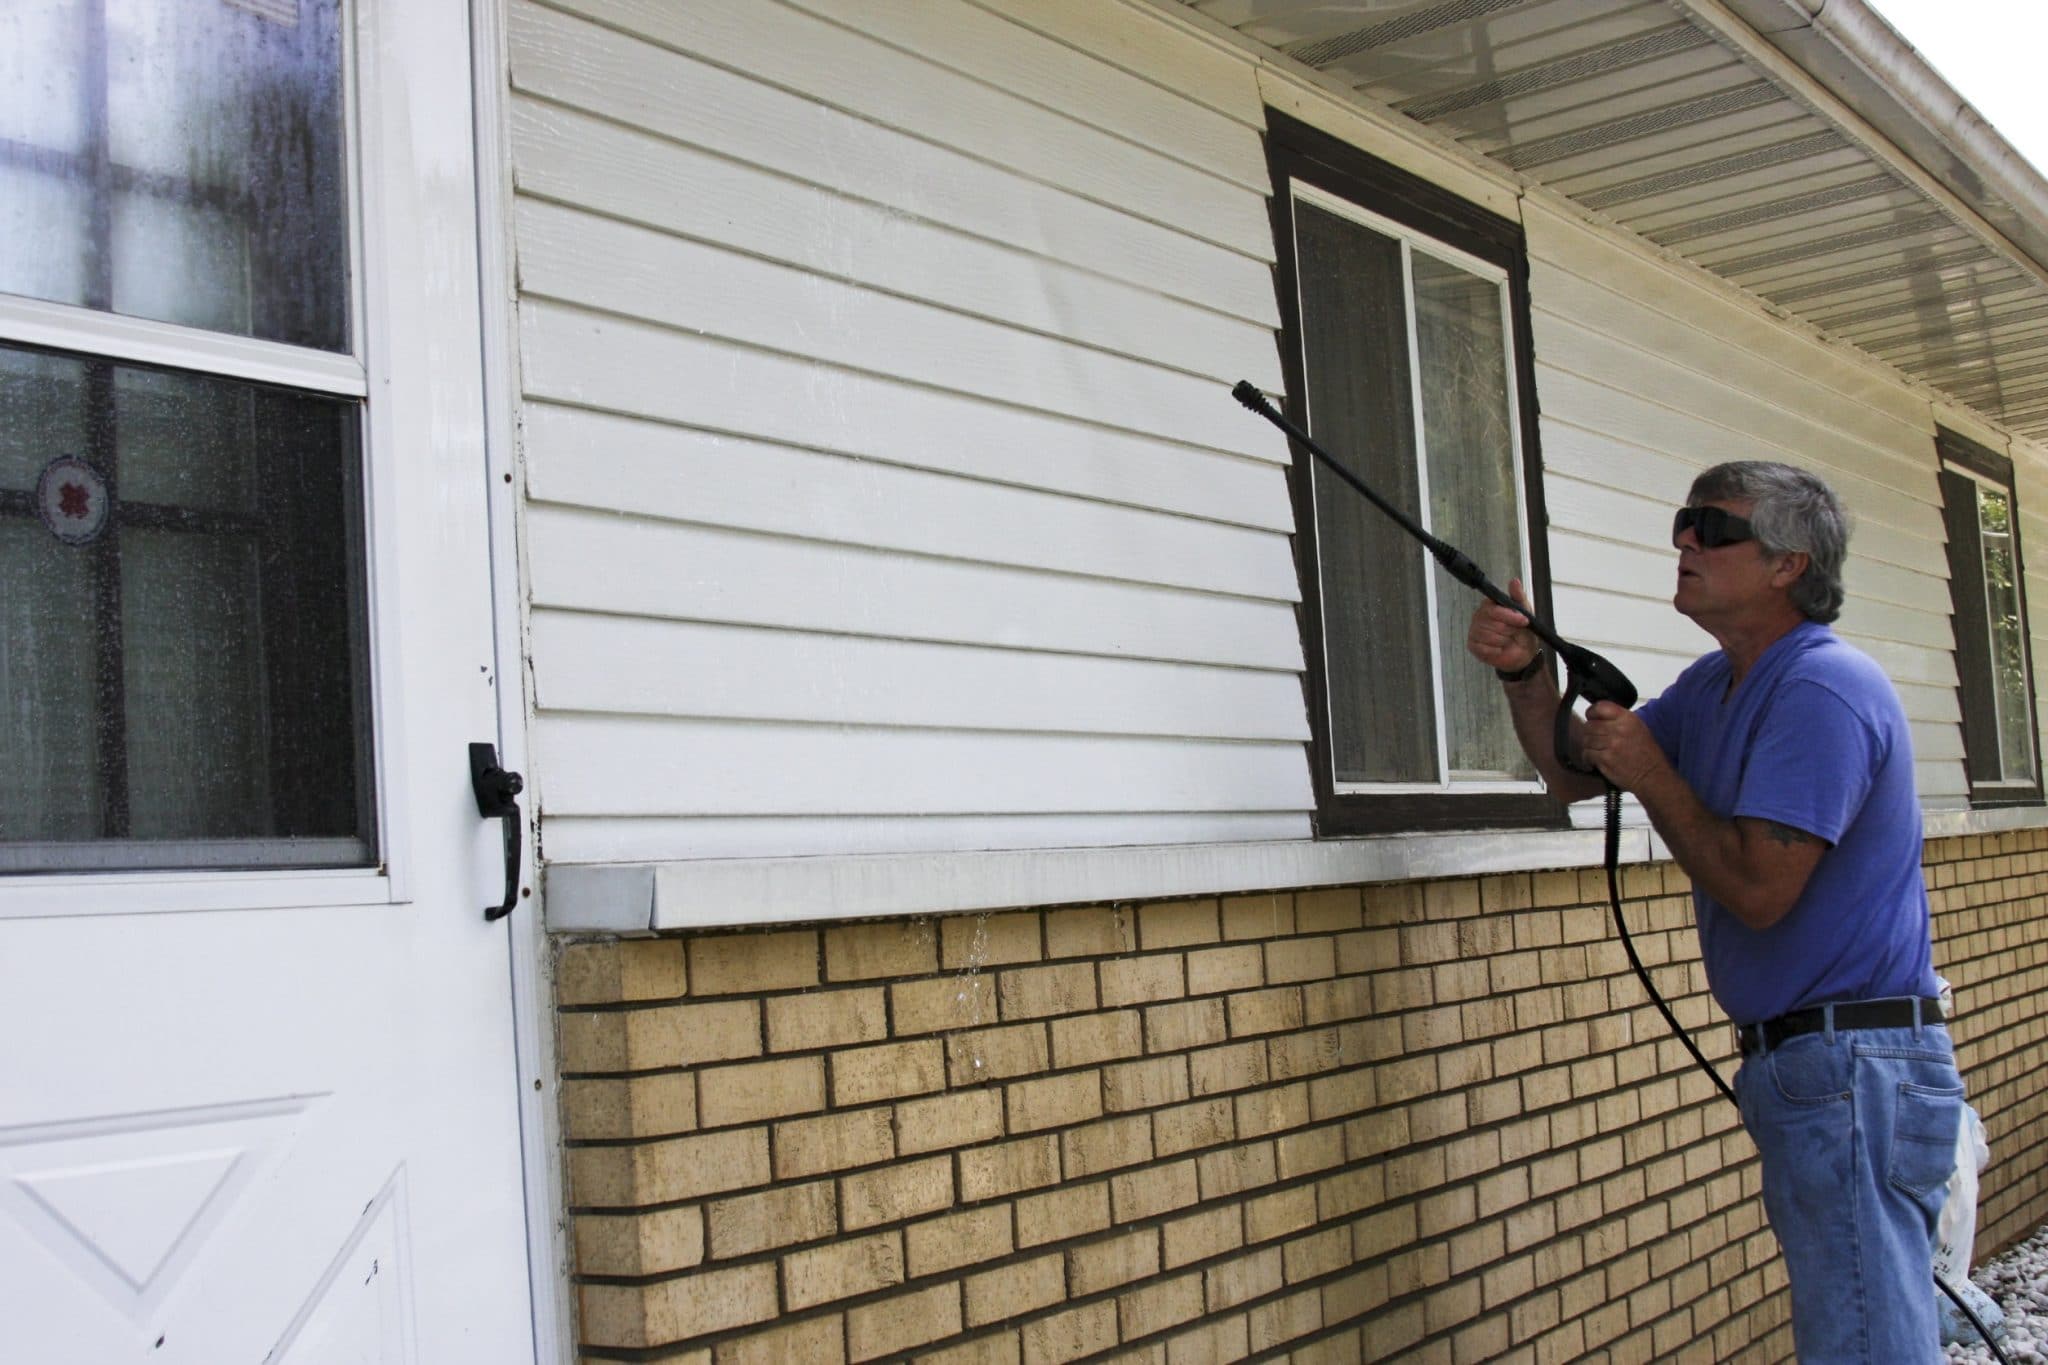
(1814, 738)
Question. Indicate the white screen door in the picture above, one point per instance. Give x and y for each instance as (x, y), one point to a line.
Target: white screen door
(258, 1090)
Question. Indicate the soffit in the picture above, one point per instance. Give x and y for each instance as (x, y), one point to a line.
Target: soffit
(1653, 117)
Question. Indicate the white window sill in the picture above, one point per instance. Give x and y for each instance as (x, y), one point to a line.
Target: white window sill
(643, 897)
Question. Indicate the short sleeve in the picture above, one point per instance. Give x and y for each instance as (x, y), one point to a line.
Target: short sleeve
(1660, 716)
(1811, 764)
(1664, 714)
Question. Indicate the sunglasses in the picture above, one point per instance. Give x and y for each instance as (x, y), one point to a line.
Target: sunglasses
(1713, 527)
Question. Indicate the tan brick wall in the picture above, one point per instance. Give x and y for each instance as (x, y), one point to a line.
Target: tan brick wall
(1434, 1121)
(1989, 894)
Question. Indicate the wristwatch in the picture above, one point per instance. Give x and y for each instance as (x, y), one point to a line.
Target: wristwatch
(1527, 670)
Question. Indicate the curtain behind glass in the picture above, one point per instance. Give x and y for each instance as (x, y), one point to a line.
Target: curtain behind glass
(1469, 439)
(1354, 329)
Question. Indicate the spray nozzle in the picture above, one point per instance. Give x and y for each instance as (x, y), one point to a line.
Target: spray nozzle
(1248, 394)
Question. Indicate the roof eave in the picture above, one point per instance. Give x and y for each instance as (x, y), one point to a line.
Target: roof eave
(1860, 59)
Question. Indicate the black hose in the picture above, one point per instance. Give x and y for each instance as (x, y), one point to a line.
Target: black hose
(1628, 944)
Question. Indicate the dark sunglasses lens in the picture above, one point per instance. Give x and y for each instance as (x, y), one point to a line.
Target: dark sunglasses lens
(1713, 526)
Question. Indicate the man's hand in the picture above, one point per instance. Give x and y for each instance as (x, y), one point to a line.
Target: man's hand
(1500, 638)
(1757, 869)
(1621, 747)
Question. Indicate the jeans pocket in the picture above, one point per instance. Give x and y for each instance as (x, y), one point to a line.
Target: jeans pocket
(1923, 1153)
(1809, 1071)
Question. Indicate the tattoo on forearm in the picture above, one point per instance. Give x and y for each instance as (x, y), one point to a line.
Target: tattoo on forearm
(1788, 834)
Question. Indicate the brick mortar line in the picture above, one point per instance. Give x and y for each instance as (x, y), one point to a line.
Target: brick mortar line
(1157, 1222)
(1017, 1322)
(831, 1051)
(1679, 1072)
(1506, 1307)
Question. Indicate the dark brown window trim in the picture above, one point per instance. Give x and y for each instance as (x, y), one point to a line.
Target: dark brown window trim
(1972, 630)
(1296, 151)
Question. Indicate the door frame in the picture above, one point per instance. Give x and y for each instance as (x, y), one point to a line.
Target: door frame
(370, 29)
(540, 1135)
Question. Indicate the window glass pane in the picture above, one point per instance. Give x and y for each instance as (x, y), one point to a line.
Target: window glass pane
(1354, 327)
(180, 160)
(1469, 436)
(182, 642)
(43, 219)
(191, 637)
(48, 742)
(42, 50)
(2008, 640)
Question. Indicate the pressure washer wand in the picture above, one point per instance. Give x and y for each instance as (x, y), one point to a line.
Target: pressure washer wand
(1593, 677)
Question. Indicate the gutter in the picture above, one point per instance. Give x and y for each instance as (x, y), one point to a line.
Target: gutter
(1862, 60)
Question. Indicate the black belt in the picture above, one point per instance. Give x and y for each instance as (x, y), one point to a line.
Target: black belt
(1762, 1037)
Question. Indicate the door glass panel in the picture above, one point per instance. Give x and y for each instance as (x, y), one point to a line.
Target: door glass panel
(182, 644)
(180, 160)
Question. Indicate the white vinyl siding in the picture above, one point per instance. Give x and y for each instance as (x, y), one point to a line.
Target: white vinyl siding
(1645, 378)
(884, 493)
(883, 498)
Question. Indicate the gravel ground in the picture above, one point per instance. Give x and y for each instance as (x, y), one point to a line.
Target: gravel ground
(2018, 1280)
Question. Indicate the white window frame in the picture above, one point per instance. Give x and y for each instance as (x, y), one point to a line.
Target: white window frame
(1412, 241)
(1979, 482)
(373, 200)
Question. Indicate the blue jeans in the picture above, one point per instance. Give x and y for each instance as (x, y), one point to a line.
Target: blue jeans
(1857, 1131)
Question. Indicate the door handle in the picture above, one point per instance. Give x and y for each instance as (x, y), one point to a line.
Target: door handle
(497, 793)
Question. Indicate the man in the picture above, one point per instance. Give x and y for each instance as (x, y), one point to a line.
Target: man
(1780, 772)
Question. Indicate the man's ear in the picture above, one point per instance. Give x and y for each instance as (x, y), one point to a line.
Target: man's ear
(1791, 567)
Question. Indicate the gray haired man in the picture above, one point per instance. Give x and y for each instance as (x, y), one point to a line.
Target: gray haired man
(1779, 770)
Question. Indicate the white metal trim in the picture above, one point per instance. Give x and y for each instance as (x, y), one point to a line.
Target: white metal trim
(1982, 480)
(1439, 699)
(689, 895)
(1387, 227)
(671, 896)
(1945, 824)
(1478, 786)
(352, 145)
(1521, 457)
(66, 327)
(1315, 499)
(380, 444)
